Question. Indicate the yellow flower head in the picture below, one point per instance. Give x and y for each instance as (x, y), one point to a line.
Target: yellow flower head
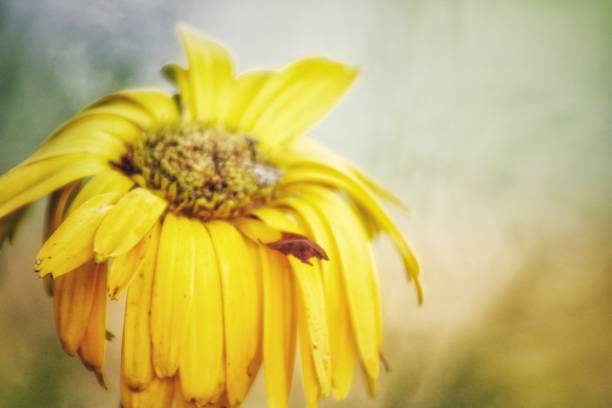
(234, 238)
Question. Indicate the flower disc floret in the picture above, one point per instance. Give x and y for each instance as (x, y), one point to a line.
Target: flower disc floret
(203, 172)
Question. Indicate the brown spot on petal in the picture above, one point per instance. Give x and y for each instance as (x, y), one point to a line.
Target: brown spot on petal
(110, 336)
(299, 246)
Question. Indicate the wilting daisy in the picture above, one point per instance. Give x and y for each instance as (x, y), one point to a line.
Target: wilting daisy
(235, 239)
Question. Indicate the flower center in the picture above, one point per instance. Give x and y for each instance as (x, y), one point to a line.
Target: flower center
(201, 171)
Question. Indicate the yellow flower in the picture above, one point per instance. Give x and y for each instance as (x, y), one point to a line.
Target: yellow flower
(235, 238)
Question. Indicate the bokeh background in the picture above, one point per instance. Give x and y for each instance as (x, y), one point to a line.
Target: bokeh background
(492, 119)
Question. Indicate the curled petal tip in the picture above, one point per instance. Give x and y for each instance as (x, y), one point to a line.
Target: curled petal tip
(419, 289)
(299, 246)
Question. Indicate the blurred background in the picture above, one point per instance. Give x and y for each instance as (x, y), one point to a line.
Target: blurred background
(492, 119)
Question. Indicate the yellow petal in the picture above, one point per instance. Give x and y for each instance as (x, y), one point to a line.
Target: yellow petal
(95, 142)
(243, 93)
(108, 181)
(56, 209)
(307, 152)
(124, 109)
(241, 308)
(93, 346)
(210, 75)
(179, 77)
(57, 206)
(72, 304)
(181, 401)
(136, 362)
(310, 287)
(374, 282)
(312, 301)
(279, 327)
(110, 122)
(294, 99)
(71, 245)
(367, 201)
(25, 184)
(342, 344)
(172, 293)
(98, 134)
(156, 104)
(285, 242)
(360, 283)
(310, 381)
(125, 267)
(257, 231)
(202, 362)
(255, 261)
(127, 222)
(159, 394)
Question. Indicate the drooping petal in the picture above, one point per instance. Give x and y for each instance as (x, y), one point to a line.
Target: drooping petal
(342, 343)
(159, 394)
(254, 258)
(257, 231)
(311, 295)
(172, 293)
(310, 381)
(71, 245)
(359, 281)
(241, 308)
(136, 361)
(93, 346)
(308, 152)
(375, 285)
(72, 304)
(25, 184)
(202, 362)
(316, 340)
(127, 222)
(367, 202)
(125, 267)
(210, 75)
(294, 99)
(57, 205)
(108, 181)
(279, 327)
